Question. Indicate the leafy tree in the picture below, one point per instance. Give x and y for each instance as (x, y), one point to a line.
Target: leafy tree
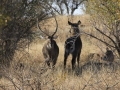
(106, 20)
(17, 17)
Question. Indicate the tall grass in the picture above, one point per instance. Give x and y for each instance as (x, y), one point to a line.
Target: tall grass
(27, 72)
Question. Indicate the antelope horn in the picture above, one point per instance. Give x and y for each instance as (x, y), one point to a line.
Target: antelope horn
(56, 27)
(41, 29)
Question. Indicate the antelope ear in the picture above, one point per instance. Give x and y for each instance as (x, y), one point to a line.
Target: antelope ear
(55, 37)
(79, 22)
(69, 23)
(107, 49)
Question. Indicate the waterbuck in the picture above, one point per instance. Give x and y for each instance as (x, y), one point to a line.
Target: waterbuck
(109, 56)
(50, 49)
(73, 44)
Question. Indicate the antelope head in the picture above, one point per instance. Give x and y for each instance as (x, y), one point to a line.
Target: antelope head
(49, 37)
(74, 27)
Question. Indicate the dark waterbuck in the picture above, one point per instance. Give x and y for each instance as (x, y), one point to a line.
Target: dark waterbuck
(73, 44)
(108, 56)
(50, 49)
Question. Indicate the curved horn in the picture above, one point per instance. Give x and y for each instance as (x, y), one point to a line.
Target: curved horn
(41, 29)
(56, 27)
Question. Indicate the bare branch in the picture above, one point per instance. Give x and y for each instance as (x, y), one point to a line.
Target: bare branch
(106, 36)
(99, 40)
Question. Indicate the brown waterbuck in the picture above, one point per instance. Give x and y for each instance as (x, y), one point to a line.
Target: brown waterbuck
(73, 44)
(50, 49)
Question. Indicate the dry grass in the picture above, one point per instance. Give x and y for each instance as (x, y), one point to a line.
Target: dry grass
(34, 76)
(27, 71)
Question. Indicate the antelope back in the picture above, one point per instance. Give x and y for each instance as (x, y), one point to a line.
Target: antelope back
(50, 50)
(95, 57)
(50, 43)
